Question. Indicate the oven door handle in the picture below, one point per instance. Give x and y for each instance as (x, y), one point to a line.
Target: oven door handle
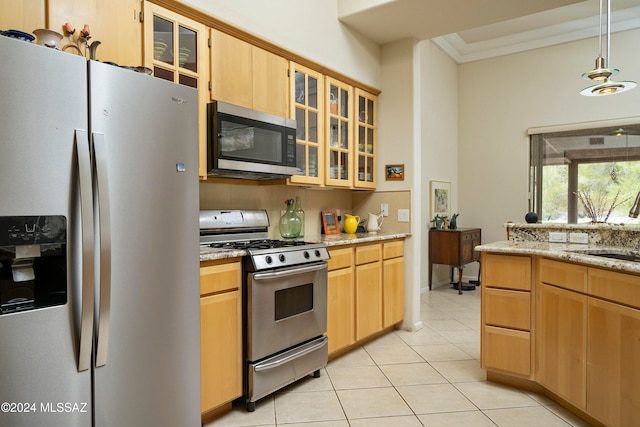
(289, 272)
(270, 365)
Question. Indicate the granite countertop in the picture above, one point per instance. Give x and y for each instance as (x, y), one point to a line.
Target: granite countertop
(571, 252)
(210, 254)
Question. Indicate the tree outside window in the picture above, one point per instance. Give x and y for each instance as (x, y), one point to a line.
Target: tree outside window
(588, 175)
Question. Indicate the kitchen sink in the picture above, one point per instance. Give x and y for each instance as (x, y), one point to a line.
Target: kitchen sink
(608, 253)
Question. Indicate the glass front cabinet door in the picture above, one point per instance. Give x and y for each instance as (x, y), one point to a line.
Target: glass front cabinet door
(365, 158)
(175, 48)
(307, 110)
(339, 125)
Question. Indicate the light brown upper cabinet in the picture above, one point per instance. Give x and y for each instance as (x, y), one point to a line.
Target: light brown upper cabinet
(364, 174)
(25, 15)
(175, 49)
(115, 24)
(307, 108)
(246, 75)
(339, 133)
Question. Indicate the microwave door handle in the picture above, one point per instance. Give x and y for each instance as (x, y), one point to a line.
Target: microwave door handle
(87, 242)
(289, 272)
(99, 148)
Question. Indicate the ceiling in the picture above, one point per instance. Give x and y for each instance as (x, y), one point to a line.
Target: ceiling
(470, 30)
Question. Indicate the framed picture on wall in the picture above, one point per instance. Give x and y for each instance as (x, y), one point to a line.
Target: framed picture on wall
(440, 195)
(394, 172)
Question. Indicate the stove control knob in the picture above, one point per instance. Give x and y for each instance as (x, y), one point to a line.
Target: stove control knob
(317, 253)
(306, 254)
(268, 259)
(281, 257)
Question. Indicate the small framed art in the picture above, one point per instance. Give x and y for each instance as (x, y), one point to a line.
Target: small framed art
(330, 224)
(440, 194)
(394, 172)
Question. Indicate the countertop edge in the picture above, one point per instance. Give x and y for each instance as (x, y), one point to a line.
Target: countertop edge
(564, 252)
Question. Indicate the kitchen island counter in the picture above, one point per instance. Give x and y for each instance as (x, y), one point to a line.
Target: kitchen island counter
(565, 323)
(210, 254)
(570, 252)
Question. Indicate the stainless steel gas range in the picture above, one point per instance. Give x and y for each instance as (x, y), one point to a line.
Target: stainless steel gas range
(284, 297)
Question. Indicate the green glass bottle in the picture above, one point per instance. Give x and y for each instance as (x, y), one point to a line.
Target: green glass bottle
(289, 222)
(298, 211)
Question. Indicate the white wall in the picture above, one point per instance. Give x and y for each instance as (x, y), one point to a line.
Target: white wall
(500, 98)
(418, 127)
(399, 137)
(438, 120)
(309, 28)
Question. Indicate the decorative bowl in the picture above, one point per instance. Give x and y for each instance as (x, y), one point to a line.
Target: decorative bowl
(144, 70)
(20, 35)
(48, 38)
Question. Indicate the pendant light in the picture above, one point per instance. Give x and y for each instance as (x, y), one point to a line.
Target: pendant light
(601, 73)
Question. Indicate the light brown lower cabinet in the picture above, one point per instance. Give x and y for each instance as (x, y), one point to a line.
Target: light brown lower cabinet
(365, 292)
(586, 335)
(507, 350)
(341, 327)
(613, 363)
(368, 299)
(340, 309)
(220, 333)
(562, 342)
(505, 339)
(392, 291)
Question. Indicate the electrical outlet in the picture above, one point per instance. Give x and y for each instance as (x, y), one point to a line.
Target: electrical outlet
(578, 238)
(384, 209)
(403, 215)
(557, 237)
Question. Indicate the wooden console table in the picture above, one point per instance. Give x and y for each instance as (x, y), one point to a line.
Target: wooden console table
(454, 248)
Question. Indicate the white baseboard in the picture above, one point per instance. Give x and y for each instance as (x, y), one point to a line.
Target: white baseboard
(412, 328)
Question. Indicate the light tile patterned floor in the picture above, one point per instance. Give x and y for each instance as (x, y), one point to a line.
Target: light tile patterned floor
(431, 377)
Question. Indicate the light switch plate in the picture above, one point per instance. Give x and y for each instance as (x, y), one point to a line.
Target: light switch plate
(557, 237)
(403, 215)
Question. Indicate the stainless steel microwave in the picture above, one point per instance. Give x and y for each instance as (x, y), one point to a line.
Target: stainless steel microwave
(245, 143)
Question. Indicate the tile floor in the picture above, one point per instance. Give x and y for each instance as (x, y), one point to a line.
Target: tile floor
(431, 377)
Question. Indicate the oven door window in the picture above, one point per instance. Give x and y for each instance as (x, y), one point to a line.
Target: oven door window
(248, 140)
(293, 301)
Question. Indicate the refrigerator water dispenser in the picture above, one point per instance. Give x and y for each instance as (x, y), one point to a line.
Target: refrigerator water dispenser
(33, 262)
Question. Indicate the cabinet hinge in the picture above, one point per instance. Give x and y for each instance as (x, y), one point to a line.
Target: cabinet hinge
(209, 41)
(141, 16)
(210, 85)
(288, 73)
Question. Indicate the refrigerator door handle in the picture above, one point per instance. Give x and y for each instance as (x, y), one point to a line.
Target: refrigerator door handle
(104, 210)
(87, 238)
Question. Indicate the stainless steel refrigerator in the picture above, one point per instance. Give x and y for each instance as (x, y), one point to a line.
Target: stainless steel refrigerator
(99, 258)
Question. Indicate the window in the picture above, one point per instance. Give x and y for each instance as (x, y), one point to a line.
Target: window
(587, 175)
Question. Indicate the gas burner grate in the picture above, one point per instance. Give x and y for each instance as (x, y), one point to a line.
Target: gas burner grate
(258, 244)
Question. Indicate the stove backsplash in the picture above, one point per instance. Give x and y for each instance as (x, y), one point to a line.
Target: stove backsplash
(272, 198)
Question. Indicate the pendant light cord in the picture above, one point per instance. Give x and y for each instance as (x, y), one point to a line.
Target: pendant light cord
(608, 30)
(600, 31)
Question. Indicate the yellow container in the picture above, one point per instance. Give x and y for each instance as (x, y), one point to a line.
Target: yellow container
(351, 223)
